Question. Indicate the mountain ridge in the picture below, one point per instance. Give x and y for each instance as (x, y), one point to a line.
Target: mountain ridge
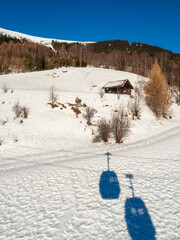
(47, 41)
(21, 53)
(35, 39)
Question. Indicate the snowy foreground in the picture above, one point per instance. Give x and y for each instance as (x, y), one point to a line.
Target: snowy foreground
(55, 183)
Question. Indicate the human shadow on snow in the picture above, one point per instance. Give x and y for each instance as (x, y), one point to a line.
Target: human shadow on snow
(139, 224)
(109, 185)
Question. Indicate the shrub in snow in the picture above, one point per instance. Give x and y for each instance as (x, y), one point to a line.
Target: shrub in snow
(78, 105)
(25, 111)
(103, 131)
(78, 101)
(118, 95)
(138, 88)
(17, 109)
(176, 94)
(76, 110)
(101, 92)
(135, 107)
(5, 88)
(89, 114)
(20, 111)
(177, 98)
(120, 126)
(52, 97)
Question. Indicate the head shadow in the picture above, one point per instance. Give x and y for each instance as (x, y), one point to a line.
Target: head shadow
(139, 223)
(109, 185)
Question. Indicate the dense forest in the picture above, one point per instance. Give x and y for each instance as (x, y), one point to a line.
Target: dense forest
(125, 56)
(20, 56)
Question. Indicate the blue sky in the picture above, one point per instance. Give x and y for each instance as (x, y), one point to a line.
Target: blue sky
(156, 22)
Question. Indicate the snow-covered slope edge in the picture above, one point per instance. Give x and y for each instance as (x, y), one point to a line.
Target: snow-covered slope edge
(39, 40)
(49, 130)
(51, 173)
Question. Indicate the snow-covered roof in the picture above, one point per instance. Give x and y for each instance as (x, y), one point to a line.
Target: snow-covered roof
(118, 83)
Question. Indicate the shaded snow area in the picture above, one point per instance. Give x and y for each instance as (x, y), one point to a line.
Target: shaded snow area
(55, 183)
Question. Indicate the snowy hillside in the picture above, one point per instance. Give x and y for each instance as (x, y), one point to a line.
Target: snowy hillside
(53, 178)
(40, 40)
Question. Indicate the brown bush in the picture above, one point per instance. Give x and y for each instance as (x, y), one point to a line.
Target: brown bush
(25, 111)
(76, 111)
(78, 105)
(61, 104)
(176, 94)
(20, 111)
(17, 110)
(103, 131)
(135, 107)
(120, 126)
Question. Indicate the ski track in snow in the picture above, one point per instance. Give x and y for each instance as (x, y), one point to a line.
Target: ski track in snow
(61, 200)
(50, 183)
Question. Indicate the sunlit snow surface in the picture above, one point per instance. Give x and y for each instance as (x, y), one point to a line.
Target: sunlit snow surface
(51, 181)
(40, 40)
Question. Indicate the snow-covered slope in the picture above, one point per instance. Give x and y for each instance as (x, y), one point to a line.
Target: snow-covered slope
(49, 129)
(52, 177)
(40, 40)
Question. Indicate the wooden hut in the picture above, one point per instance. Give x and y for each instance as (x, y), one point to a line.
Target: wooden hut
(118, 87)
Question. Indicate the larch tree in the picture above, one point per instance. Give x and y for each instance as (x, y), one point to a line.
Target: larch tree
(158, 95)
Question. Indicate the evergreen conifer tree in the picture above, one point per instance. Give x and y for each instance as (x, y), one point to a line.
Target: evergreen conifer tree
(29, 63)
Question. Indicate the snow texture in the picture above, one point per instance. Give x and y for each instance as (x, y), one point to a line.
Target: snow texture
(56, 184)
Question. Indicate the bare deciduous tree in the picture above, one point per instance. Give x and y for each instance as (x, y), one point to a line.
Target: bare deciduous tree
(101, 92)
(5, 88)
(118, 93)
(135, 107)
(78, 102)
(138, 88)
(25, 111)
(20, 111)
(177, 98)
(52, 97)
(103, 131)
(89, 114)
(120, 126)
(17, 110)
(176, 94)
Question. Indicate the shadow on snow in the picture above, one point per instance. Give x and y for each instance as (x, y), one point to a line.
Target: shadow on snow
(109, 185)
(138, 220)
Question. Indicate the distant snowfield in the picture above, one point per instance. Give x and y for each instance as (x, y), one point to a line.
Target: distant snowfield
(50, 171)
(44, 41)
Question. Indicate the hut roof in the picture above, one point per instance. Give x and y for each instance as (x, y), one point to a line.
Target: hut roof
(118, 83)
